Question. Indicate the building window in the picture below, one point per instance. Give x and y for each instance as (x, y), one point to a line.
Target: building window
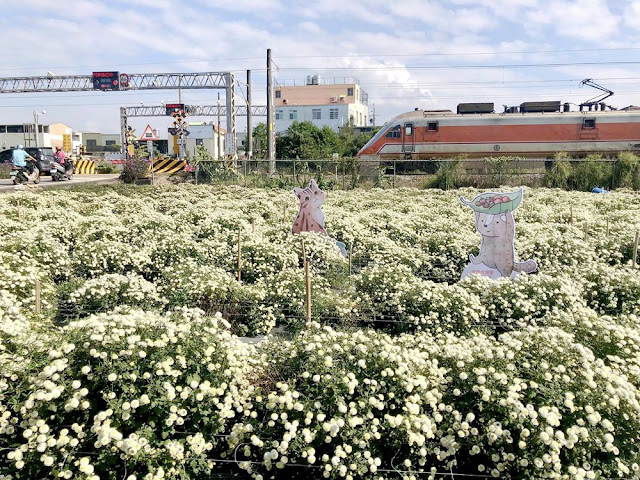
(432, 126)
(110, 142)
(92, 143)
(279, 115)
(278, 93)
(3, 128)
(198, 142)
(394, 132)
(589, 123)
(293, 115)
(15, 129)
(349, 92)
(316, 114)
(333, 114)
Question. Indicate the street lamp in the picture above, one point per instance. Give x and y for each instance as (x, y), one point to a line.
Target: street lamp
(35, 121)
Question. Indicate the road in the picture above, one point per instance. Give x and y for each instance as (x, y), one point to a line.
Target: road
(7, 186)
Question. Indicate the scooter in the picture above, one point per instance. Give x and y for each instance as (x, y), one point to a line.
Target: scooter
(21, 175)
(60, 172)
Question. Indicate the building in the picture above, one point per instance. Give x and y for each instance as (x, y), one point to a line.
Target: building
(23, 134)
(321, 102)
(97, 142)
(63, 136)
(205, 134)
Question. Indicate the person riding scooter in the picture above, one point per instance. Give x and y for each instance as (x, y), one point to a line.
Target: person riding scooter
(19, 159)
(62, 159)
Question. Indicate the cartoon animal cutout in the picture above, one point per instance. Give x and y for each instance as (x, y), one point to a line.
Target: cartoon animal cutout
(495, 222)
(310, 217)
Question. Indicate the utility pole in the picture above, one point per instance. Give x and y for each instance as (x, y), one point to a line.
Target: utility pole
(271, 154)
(219, 137)
(249, 118)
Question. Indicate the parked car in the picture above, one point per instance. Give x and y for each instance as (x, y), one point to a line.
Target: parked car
(44, 156)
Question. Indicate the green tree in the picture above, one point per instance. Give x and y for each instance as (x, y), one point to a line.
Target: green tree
(259, 141)
(303, 140)
(350, 143)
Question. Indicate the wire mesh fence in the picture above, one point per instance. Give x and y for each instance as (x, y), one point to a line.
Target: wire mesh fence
(349, 173)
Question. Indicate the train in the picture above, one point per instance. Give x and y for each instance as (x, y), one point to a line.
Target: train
(530, 130)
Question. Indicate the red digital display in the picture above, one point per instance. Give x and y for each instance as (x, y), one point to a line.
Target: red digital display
(106, 80)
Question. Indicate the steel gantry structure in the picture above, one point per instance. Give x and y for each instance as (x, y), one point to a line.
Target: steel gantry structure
(192, 110)
(135, 81)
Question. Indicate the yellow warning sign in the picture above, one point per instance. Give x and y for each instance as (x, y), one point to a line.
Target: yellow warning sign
(66, 142)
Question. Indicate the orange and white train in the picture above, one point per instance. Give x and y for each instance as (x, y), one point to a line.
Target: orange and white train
(532, 130)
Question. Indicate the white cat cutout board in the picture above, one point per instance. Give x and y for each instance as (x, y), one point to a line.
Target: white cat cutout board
(310, 217)
(496, 224)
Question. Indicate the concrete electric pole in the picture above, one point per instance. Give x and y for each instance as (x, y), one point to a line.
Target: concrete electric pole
(271, 153)
(249, 118)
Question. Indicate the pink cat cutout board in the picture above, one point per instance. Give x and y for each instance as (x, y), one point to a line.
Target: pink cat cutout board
(497, 226)
(310, 217)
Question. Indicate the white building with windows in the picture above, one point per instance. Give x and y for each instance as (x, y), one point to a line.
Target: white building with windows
(321, 102)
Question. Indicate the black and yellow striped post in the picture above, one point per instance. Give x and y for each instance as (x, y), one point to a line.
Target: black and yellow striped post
(85, 167)
(169, 165)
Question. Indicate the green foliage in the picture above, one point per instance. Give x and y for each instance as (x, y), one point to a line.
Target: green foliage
(591, 172)
(627, 171)
(259, 141)
(559, 175)
(106, 167)
(5, 170)
(134, 169)
(450, 174)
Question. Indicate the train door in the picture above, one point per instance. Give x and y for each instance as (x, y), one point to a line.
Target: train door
(408, 139)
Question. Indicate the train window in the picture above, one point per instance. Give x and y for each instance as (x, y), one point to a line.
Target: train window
(394, 132)
(408, 129)
(589, 123)
(432, 126)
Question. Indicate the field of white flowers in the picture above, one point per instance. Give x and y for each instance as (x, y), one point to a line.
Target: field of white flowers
(135, 370)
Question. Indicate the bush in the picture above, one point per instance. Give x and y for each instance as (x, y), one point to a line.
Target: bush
(106, 167)
(627, 171)
(559, 175)
(591, 172)
(450, 174)
(134, 169)
(5, 171)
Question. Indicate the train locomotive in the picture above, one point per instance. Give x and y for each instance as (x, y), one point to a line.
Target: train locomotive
(530, 130)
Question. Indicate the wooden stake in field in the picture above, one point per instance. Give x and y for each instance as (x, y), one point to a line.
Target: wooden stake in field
(284, 215)
(307, 277)
(20, 217)
(350, 257)
(38, 303)
(635, 251)
(571, 210)
(607, 226)
(253, 225)
(239, 255)
(586, 230)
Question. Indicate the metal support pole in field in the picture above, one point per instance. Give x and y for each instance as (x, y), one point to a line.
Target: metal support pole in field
(350, 258)
(239, 255)
(38, 302)
(607, 226)
(249, 119)
(307, 277)
(571, 211)
(219, 156)
(271, 154)
(635, 251)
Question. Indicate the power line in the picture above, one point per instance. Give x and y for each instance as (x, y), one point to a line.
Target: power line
(465, 67)
(464, 53)
(406, 55)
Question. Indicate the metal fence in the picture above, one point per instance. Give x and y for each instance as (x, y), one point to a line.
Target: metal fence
(348, 173)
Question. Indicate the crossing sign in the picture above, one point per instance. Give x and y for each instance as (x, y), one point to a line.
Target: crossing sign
(149, 135)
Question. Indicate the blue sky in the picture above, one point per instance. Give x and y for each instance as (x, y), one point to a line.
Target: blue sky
(414, 53)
